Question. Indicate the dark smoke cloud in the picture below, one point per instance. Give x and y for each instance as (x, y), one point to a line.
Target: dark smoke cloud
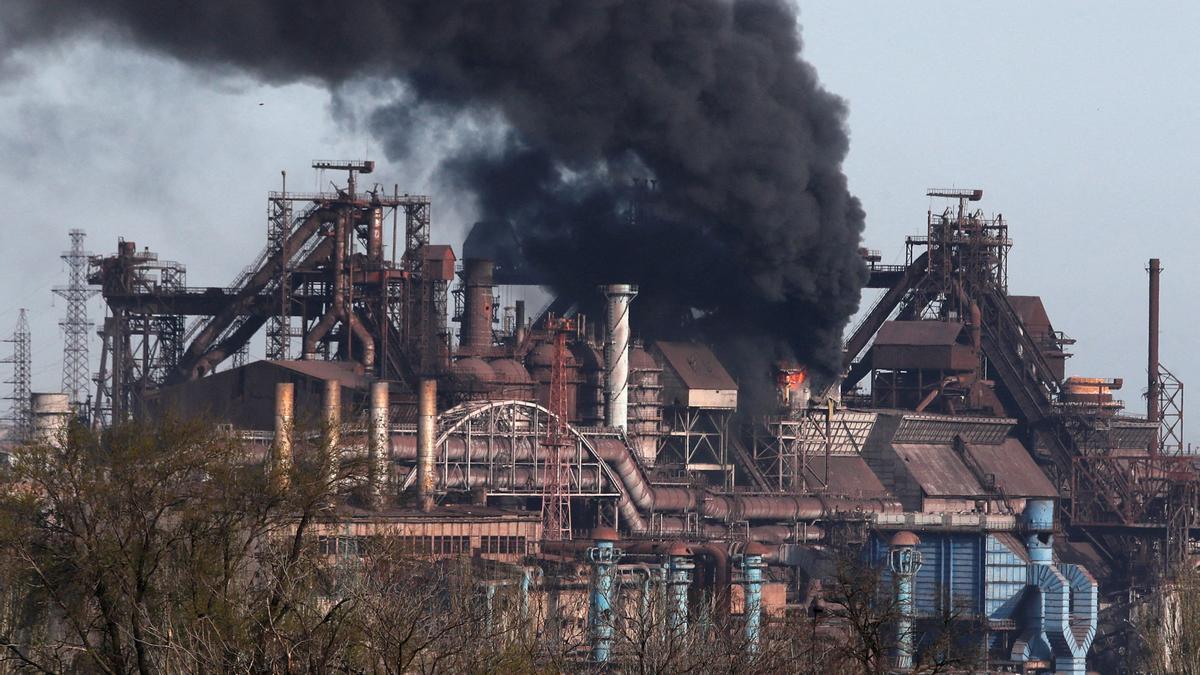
(749, 226)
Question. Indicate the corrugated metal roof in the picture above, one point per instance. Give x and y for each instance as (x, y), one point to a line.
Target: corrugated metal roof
(1016, 472)
(938, 470)
(849, 476)
(348, 374)
(918, 333)
(696, 365)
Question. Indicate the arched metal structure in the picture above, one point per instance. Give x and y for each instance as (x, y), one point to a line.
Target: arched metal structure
(498, 446)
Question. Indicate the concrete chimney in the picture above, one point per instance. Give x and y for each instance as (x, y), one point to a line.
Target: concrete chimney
(476, 335)
(426, 432)
(51, 416)
(616, 354)
(280, 466)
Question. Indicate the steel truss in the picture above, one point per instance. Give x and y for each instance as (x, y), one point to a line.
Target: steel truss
(499, 447)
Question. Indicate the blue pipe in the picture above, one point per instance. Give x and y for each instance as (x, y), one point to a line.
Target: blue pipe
(603, 557)
(752, 574)
(904, 559)
(679, 579)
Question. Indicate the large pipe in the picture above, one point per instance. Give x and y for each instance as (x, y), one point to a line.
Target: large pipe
(426, 435)
(616, 354)
(375, 237)
(639, 496)
(340, 309)
(478, 310)
(331, 409)
(519, 323)
(281, 457)
(377, 444)
(1153, 413)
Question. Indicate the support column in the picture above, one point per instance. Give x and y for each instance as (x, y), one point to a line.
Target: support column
(377, 445)
(426, 433)
(280, 464)
(331, 412)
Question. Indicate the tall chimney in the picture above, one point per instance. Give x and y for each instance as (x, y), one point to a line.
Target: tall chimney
(426, 431)
(616, 354)
(377, 444)
(519, 324)
(1153, 414)
(280, 465)
(476, 336)
(331, 408)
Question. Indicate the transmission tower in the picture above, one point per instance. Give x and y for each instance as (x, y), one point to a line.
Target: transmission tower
(21, 416)
(75, 324)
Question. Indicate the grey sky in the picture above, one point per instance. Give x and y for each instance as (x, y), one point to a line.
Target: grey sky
(1078, 120)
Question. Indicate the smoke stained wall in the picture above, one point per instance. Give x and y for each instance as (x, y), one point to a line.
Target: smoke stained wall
(743, 221)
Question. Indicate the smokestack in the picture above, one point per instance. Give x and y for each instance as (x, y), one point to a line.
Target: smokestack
(519, 326)
(426, 431)
(616, 354)
(280, 465)
(1153, 414)
(377, 444)
(51, 416)
(477, 314)
(331, 408)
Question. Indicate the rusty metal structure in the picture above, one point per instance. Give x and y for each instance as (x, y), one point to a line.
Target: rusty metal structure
(955, 419)
(323, 270)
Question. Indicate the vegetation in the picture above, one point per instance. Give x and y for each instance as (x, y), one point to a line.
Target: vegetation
(166, 548)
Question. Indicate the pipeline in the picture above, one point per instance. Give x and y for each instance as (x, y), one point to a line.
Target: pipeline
(339, 309)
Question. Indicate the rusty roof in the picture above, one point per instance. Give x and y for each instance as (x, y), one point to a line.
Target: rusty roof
(849, 476)
(1016, 472)
(348, 374)
(696, 365)
(918, 333)
(938, 470)
(1031, 309)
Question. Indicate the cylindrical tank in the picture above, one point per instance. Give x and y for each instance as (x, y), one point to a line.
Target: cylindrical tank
(471, 378)
(510, 380)
(476, 336)
(51, 415)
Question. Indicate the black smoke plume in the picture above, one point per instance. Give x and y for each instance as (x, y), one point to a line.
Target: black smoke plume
(742, 221)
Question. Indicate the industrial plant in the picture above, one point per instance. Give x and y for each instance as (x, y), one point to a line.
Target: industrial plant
(578, 452)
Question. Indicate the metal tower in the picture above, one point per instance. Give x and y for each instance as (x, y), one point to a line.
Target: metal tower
(279, 229)
(21, 416)
(556, 498)
(75, 324)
